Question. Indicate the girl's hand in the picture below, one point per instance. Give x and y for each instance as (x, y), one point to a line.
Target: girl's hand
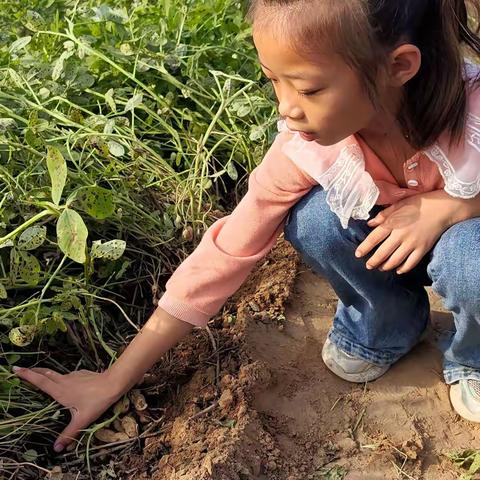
(408, 229)
(86, 394)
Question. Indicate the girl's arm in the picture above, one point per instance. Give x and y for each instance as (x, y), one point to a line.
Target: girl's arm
(233, 245)
(461, 209)
(195, 292)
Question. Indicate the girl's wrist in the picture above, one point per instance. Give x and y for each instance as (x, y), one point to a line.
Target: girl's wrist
(463, 210)
(119, 382)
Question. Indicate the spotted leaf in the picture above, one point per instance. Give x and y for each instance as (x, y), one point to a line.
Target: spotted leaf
(98, 202)
(57, 168)
(112, 250)
(72, 235)
(22, 336)
(32, 238)
(29, 268)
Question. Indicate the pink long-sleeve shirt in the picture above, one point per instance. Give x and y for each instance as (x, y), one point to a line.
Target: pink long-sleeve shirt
(355, 179)
(234, 244)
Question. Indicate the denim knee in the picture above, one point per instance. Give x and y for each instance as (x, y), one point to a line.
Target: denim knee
(312, 228)
(455, 266)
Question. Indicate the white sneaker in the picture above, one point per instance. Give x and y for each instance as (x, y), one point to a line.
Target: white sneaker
(465, 398)
(348, 367)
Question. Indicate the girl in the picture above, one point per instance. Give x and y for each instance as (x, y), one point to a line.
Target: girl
(376, 166)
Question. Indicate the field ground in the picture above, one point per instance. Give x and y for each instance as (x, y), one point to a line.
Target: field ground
(279, 414)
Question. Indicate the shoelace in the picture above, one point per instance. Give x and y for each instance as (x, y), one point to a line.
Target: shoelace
(475, 386)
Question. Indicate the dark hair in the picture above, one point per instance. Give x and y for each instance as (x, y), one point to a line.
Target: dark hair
(365, 31)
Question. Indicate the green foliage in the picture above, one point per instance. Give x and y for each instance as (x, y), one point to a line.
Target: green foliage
(119, 121)
(122, 126)
(334, 473)
(467, 460)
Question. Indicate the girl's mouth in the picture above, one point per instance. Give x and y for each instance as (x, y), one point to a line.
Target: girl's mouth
(308, 137)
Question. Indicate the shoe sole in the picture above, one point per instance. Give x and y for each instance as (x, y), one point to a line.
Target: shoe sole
(458, 405)
(363, 377)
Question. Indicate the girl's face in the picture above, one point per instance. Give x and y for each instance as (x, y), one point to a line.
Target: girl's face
(324, 98)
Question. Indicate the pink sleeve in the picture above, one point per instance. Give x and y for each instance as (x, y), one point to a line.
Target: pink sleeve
(234, 244)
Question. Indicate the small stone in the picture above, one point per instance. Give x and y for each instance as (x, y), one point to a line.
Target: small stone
(226, 399)
(347, 445)
(271, 465)
(254, 306)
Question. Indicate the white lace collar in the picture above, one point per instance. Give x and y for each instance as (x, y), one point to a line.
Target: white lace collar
(351, 191)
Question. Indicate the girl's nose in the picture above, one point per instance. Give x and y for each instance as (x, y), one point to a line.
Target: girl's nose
(288, 109)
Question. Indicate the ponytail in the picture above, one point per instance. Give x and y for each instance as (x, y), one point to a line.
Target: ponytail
(435, 100)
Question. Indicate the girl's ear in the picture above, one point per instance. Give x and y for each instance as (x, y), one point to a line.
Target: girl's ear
(404, 63)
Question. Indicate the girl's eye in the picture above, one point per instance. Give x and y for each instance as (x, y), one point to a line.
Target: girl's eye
(310, 94)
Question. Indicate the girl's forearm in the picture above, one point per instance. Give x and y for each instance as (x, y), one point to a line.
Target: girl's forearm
(463, 209)
(161, 332)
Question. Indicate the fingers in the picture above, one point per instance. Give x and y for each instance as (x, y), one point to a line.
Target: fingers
(396, 259)
(412, 261)
(384, 252)
(70, 433)
(38, 380)
(377, 236)
(48, 373)
(381, 217)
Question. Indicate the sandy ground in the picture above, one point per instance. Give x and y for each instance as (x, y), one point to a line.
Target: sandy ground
(400, 426)
(259, 404)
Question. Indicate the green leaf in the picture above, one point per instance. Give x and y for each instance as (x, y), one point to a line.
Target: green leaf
(59, 65)
(232, 171)
(22, 336)
(12, 358)
(14, 264)
(98, 202)
(29, 268)
(116, 149)
(72, 235)
(30, 455)
(33, 139)
(57, 317)
(110, 101)
(243, 110)
(3, 292)
(28, 318)
(135, 101)
(20, 43)
(57, 168)
(34, 21)
(475, 466)
(111, 250)
(257, 133)
(51, 326)
(32, 238)
(8, 243)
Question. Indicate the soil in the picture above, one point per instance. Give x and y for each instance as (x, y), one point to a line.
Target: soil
(250, 398)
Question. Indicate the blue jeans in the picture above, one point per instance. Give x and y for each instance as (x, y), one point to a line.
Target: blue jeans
(381, 315)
